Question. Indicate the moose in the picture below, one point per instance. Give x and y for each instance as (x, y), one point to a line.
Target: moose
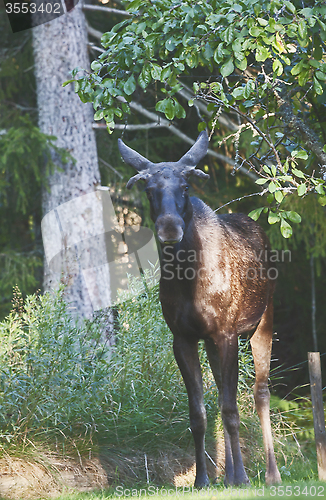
(214, 287)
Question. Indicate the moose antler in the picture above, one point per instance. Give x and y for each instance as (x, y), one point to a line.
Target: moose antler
(146, 168)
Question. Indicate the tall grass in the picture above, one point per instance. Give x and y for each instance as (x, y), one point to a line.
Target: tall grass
(60, 385)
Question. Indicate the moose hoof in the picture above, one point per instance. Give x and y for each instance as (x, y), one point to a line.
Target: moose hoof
(273, 478)
(202, 482)
(236, 481)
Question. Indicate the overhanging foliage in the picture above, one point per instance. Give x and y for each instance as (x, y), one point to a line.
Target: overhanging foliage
(262, 61)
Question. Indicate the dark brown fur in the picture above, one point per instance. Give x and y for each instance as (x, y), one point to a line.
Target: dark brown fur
(214, 286)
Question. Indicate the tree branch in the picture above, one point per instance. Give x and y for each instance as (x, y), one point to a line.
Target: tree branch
(224, 120)
(127, 126)
(93, 32)
(108, 10)
(94, 47)
(302, 130)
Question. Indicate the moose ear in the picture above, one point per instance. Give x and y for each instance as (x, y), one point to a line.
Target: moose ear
(133, 158)
(196, 152)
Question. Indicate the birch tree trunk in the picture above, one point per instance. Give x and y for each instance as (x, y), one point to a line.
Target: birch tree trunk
(73, 213)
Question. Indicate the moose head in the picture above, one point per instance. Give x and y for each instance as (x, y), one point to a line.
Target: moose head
(167, 186)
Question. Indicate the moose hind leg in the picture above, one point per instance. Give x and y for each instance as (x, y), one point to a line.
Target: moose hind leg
(214, 361)
(186, 355)
(261, 345)
(228, 349)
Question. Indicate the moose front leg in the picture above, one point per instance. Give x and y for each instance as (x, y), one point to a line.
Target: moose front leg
(186, 355)
(228, 350)
(215, 364)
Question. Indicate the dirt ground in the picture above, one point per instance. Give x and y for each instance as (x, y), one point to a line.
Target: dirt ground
(45, 475)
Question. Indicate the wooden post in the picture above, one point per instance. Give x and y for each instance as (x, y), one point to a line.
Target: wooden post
(318, 412)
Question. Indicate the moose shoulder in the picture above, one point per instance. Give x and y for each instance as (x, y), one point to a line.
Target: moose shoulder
(214, 286)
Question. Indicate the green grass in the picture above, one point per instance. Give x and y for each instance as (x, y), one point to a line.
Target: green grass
(62, 390)
(300, 489)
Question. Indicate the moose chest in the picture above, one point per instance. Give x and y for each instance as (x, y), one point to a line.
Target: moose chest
(195, 289)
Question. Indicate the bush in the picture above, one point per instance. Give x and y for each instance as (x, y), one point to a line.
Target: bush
(60, 385)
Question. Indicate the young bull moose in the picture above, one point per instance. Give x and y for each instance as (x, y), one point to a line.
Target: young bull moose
(214, 286)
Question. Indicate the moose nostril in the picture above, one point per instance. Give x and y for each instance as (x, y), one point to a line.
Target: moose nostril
(169, 241)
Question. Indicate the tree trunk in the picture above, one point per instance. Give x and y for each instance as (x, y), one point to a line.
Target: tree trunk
(71, 217)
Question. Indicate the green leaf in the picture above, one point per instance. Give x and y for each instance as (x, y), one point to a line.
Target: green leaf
(227, 68)
(298, 173)
(169, 109)
(303, 77)
(317, 86)
(290, 6)
(242, 65)
(302, 29)
(67, 82)
(228, 35)
(293, 216)
(254, 214)
(179, 110)
(156, 71)
(161, 105)
(322, 200)
(249, 88)
(192, 59)
(255, 31)
(320, 189)
(99, 114)
(261, 181)
(279, 196)
(130, 85)
(277, 67)
(273, 218)
(297, 68)
(307, 12)
(96, 66)
(165, 74)
(303, 155)
(145, 77)
(238, 93)
(286, 229)
(133, 6)
(170, 44)
(272, 187)
(302, 189)
(109, 115)
(262, 53)
(319, 74)
(262, 21)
